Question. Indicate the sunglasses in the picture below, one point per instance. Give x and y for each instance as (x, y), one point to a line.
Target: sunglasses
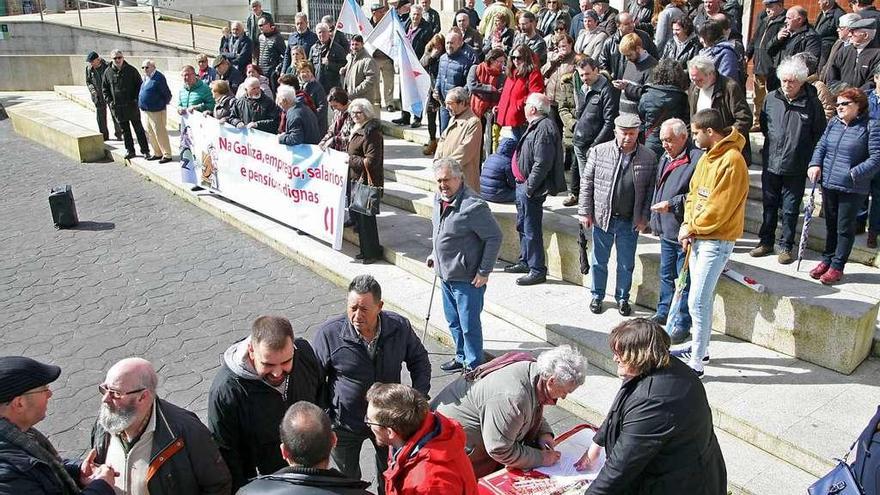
(515, 57)
(117, 58)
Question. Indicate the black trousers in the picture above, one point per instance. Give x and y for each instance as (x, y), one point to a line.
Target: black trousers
(138, 132)
(785, 192)
(368, 235)
(840, 211)
(101, 115)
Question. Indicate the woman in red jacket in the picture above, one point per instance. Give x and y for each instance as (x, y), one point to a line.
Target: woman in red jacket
(523, 78)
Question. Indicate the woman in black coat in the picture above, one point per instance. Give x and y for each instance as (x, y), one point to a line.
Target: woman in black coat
(663, 98)
(658, 436)
(366, 156)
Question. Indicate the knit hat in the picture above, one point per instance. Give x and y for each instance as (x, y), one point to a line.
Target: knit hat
(18, 374)
(91, 56)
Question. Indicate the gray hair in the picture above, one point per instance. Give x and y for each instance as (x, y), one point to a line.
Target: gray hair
(258, 3)
(362, 105)
(846, 20)
(148, 63)
(366, 284)
(450, 163)
(301, 15)
(702, 63)
(416, 8)
(328, 20)
(876, 71)
(115, 52)
(251, 82)
(793, 67)
(322, 26)
(233, 24)
(540, 102)
(285, 93)
(563, 363)
(458, 94)
(677, 126)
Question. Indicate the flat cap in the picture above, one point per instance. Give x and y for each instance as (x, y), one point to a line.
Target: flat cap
(402, 3)
(218, 60)
(768, 2)
(627, 121)
(18, 374)
(91, 56)
(868, 23)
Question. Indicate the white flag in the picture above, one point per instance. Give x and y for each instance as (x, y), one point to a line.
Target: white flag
(415, 82)
(352, 19)
(382, 36)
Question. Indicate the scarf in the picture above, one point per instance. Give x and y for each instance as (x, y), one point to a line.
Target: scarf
(38, 446)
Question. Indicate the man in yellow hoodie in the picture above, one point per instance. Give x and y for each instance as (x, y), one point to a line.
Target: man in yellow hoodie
(714, 214)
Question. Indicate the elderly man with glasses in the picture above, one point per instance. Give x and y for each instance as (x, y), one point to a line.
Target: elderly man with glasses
(29, 463)
(154, 446)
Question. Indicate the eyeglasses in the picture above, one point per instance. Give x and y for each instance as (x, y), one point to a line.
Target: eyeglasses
(117, 58)
(356, 112)
(843, 103)
(104, 390)
(37, 391)
(515, 57)
(370, 423)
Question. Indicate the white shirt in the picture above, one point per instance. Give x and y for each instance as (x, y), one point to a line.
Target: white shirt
(704, 98)
(132, 466)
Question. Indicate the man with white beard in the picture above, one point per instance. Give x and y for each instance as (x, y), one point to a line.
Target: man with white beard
(156, 447)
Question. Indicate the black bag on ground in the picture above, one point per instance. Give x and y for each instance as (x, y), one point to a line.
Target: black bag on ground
(63, 207)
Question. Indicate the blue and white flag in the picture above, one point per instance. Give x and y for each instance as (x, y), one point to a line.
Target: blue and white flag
(415, 82)
(352, 19)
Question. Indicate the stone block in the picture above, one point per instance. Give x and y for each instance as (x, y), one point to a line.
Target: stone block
(72, 140)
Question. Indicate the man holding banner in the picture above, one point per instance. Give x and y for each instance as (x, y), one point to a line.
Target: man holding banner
(256, 110)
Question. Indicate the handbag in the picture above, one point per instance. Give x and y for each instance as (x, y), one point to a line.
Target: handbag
(839, 481)
(365, 197)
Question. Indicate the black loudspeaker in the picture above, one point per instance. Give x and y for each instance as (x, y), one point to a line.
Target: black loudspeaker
(63, 207)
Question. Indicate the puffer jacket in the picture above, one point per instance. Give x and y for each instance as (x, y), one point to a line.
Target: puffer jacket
(497, 183)
(727, 61)
(658, 104)
(596, 111)
(453, 69)
(272, 50)
(433, 460)
(261, 110)
(849, 154)
(600, 175)
(512, 106)
(198, 95)
(791, 130)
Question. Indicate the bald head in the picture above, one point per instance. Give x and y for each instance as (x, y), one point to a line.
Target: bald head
(132, 373)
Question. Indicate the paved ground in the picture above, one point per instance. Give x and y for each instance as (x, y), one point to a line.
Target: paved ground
(145, 274)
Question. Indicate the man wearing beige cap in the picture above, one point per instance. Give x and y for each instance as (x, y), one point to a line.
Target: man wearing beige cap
(29, 464)
(615, 201)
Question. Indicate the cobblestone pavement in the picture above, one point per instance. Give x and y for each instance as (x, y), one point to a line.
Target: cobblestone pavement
(144, 274)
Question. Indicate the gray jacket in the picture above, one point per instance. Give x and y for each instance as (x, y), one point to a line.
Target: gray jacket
(600, 174)
(466, 237)
(496, 412)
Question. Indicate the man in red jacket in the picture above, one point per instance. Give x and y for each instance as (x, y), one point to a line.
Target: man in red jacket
(426, 454)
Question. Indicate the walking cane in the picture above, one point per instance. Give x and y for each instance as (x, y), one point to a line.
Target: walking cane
(430, 304)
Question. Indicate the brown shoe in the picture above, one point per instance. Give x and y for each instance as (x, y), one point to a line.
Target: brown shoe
(761, 250)
(785, 258)
(872, 240)
(430, 148)
(571, 200)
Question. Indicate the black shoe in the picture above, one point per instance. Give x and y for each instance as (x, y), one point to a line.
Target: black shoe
(359, 256)
(130, 155)
(658, 318)
(165, 159)
(348, 223)
(400, 121)
(624, 308)
(596, 306)
(154, 158)
(416, 124)
(118, 138)
(531, 279)
(369, 261)
(517, 268)
(451, 365)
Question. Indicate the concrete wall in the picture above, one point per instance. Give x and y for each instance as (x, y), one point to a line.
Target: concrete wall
(34, 37)
(44, 72)
(223, 9)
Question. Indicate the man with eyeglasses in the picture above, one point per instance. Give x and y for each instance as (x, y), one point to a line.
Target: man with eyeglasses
(121, 87)
(854, 63)
(272, 50)
(155, 446)
(364, 346)
(29, 464)
(260, 376)
(253, 27)
(530, 36)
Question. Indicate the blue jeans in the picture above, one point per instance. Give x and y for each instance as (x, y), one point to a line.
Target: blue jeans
(444, 119)
(621, 233)
(707, 262)
(529, 226)
(462, 305)
(671, 261)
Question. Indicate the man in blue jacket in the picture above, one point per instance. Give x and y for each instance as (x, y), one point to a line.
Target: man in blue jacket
(466, 241)
(299, 124)
(153, 99)
(452, 72)
(365, 346)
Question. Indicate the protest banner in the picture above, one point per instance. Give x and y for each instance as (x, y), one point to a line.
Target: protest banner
(300, 186)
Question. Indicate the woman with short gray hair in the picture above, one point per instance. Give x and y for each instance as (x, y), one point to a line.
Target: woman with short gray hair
(366, 155)
(564, 365)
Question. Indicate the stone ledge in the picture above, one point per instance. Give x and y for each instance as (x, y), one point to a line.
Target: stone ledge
(48, 128)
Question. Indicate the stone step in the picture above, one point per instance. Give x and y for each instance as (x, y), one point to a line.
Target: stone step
(750, 469)
(80, 95)
(56, 123)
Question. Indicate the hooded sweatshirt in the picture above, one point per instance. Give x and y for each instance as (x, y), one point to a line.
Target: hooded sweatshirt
(716, 203)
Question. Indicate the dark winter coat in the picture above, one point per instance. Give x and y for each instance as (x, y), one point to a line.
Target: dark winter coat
(95, 82)
(261, 110)
(596, 112)
(319, 98)
(421, 35)
(658, 104)
(791, 130)
(671, 453)
(234, 77)
(465, 237)
(121, 88)
(241, 52)
(849, 154)
(252, 25)
(765, 34)
(301, 126)
(244, 413)
(729, 99)
(805, 40)
(853, 68)
(497, 183)
(328, 74)
(681, 54)
(272, 52)
(637, 73)
(673, 187)
(539, 158)
(453, 69)
(506, 40)
(223, 107)
(366, 152)
(642, 12)
(350, 371)
(866, 465)
(826, 28)
(184, 460)
(295, 480)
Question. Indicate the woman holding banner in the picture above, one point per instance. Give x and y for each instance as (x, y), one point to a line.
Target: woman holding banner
(366, 155)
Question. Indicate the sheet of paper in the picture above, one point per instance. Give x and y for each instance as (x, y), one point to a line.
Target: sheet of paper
(572, 449)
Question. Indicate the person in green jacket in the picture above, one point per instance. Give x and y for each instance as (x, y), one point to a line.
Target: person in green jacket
(195, 95)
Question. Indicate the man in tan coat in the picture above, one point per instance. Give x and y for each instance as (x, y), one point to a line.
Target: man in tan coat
(361, 74)
(462, 139)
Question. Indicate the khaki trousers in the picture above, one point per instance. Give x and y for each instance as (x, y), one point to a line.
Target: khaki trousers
(157, 133)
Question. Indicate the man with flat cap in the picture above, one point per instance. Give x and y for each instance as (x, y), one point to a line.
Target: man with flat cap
(853, 65)
(29, 464)
(615, 201)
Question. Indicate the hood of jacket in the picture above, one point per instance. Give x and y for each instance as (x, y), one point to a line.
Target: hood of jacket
(314, 477)
(236, 359)
(717, 48)
(733, 141)
(438, 432)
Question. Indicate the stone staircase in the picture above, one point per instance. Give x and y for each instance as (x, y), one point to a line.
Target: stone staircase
(780, 419)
